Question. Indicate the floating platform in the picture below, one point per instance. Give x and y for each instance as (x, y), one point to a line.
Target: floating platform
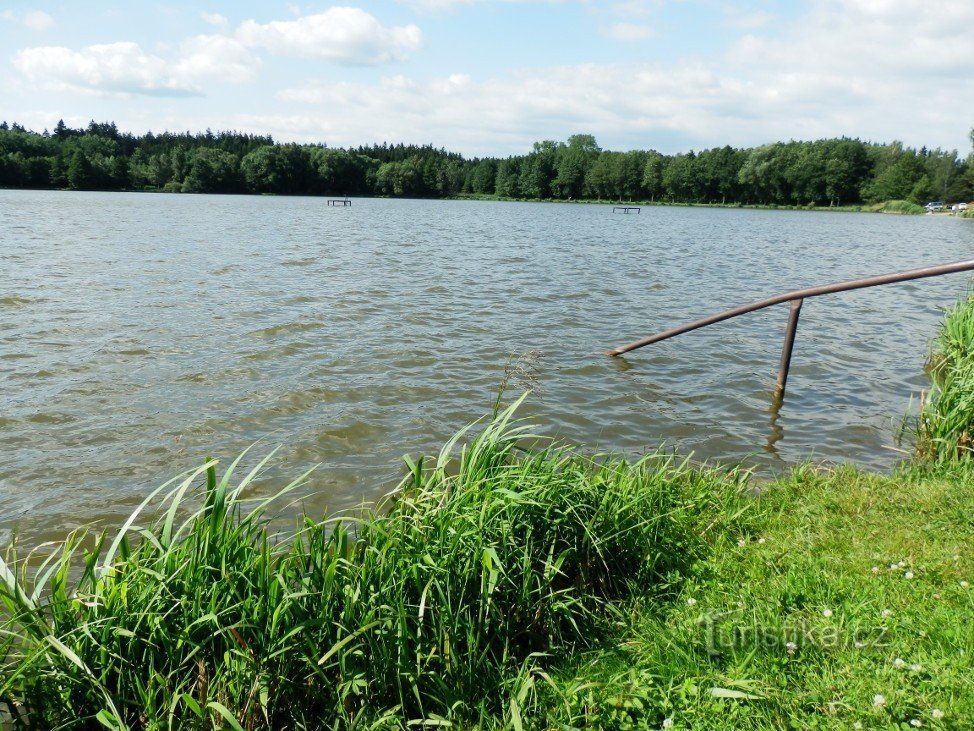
(339, 202)
(625, 209)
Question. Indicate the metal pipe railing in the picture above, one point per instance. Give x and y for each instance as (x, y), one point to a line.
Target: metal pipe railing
(796, 298)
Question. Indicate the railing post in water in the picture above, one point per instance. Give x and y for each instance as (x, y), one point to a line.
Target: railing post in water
(789, 345)
(795, 298)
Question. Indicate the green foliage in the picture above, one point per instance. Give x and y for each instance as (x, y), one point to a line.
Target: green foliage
(508, 183)
(213, 171)
(482, 177)
(281, 169)
(484, 568)
(653, 174)
(904, 207)
(830, 172)
(81, 173)
(944, 428)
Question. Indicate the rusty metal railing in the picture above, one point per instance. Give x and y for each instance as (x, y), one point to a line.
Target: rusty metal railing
(796, 298)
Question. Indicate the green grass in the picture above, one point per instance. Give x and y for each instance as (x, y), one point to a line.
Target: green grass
(855, 569)
(944, 428)
(446, 607)
(851, 208)
(897, 206)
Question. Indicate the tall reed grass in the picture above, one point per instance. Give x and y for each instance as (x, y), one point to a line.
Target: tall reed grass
(443, 607)
(945, 425)
(898, 206)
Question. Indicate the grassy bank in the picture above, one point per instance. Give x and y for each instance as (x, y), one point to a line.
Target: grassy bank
(944, 429)
(505, 586)
(848, 606)
(895, 207)
(489, 564)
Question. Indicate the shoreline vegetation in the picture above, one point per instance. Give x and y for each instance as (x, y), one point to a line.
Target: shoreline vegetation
(514, 583)
(895, 207)
(838, 174)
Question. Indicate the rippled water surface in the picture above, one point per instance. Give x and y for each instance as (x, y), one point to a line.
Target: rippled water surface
(140, 333)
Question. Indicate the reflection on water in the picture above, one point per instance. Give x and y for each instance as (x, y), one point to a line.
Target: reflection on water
(140, 333)
(776, 433)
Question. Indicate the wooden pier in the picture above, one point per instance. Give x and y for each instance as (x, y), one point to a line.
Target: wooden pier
(625, 209)
(339, 202)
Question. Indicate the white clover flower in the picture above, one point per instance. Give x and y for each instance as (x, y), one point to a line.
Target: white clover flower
(791, 647)
(908, 575)
(875, 569)
(964, 585)
(916, 722)
(826, 612)
(879, 701)
(916, 667)
(667, 723)
(899, 663)
(741, 542)
(760, 540)
(886, 613)
(857, 725)
(858, 645)
(937, 713)
(691, 602)
(893, 567)
(901, 564)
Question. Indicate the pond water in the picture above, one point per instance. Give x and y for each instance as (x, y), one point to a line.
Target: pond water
(140, 333)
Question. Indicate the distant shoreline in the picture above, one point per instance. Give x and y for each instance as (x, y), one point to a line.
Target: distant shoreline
(853, 208)
(898, 208)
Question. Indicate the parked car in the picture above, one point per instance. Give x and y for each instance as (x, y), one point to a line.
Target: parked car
(935, 206)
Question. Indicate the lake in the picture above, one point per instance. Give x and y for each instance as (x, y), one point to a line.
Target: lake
(140, 333)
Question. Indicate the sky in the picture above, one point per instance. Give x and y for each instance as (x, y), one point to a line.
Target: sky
(490, 77)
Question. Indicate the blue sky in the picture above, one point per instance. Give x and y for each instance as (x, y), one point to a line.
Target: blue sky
(492, 76)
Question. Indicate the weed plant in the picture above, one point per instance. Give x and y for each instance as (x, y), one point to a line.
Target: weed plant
(444, 607)
(898, 206)
(945, 425)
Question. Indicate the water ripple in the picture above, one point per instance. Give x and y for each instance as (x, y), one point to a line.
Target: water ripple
(141, 334)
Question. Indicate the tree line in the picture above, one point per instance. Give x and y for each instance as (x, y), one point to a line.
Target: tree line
(824, 172)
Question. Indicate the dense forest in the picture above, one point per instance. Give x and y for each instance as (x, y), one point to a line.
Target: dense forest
(823, 172)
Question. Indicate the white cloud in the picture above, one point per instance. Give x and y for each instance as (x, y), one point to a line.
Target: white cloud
(872, 41)
(215, 57)
(877, 69)
(433, 5)
(343, 34)
(628, 32)
(847, 67)
(113, 67)
(124, 68)
(33, 19)
(215, 19)
(38, 20)
(508, 113)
